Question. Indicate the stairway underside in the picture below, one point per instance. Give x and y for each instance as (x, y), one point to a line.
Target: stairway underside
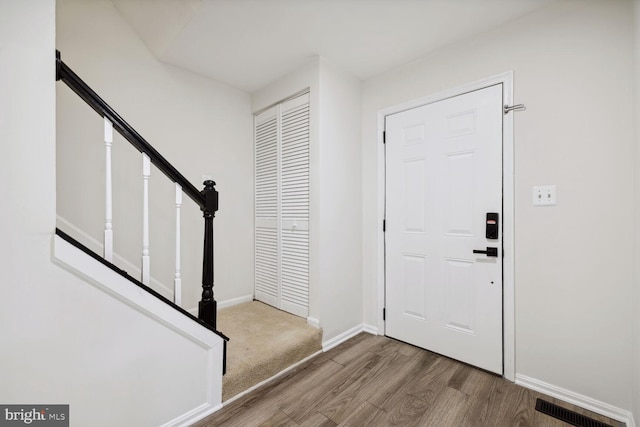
(263, 342)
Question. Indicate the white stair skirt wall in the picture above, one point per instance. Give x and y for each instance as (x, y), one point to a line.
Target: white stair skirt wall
(211, 345)
(282, 206)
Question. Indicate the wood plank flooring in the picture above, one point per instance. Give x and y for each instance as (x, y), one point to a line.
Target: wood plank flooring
(376, 381)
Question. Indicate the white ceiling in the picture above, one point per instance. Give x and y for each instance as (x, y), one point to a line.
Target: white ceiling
(250, 43)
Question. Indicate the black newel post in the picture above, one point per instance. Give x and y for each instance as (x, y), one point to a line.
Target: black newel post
(207, 308)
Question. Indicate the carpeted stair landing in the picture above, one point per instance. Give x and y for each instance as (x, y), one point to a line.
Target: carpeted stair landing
(262, 342)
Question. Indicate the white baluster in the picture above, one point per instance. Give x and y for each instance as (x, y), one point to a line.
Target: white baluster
(177, 281)
(146, 172)
(108, 211)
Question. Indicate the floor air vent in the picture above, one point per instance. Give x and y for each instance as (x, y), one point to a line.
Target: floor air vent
(567, 416)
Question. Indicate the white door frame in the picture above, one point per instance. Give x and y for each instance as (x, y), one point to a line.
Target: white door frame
(508, 304)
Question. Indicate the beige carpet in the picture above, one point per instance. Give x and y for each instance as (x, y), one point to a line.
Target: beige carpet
(262, 342)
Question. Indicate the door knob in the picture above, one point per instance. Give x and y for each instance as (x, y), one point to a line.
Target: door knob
(489, 252)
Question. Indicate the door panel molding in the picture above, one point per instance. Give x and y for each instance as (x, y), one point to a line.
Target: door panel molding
(506, 79)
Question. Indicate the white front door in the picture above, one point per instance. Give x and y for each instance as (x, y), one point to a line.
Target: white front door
(444, 174)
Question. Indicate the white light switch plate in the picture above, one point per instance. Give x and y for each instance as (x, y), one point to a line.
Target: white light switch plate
(544, 195)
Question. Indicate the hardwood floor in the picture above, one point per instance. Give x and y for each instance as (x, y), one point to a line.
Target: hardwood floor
(376, 381)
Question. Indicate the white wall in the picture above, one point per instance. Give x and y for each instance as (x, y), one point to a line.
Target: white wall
(572, 64)
(201, 126)
(62, 339)
(340, 204)
(335, 273)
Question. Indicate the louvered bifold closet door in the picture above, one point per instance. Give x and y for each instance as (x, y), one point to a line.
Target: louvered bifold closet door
(294, 206)
(266, 207)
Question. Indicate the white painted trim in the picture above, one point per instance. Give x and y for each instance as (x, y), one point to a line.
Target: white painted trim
(276, 376)
(234, 301)
(312, 321)
(370, 329)
(346, 335)
(508, 235)
(95, 246)
(507, 210)
(225, 304)
(193, 416)
(382, 194)
(577, 399)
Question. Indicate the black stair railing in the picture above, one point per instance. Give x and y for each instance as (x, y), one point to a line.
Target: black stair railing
(207, 199)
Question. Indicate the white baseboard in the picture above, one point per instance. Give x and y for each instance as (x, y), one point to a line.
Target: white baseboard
(370, 329)
(337, 340)
(577, 399)
(312, 321)
(224, 304)
(234, 301)
(193, 416)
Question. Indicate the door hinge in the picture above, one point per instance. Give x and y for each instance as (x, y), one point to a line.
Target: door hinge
(384, 137)
(384, 314)
(384, 225)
